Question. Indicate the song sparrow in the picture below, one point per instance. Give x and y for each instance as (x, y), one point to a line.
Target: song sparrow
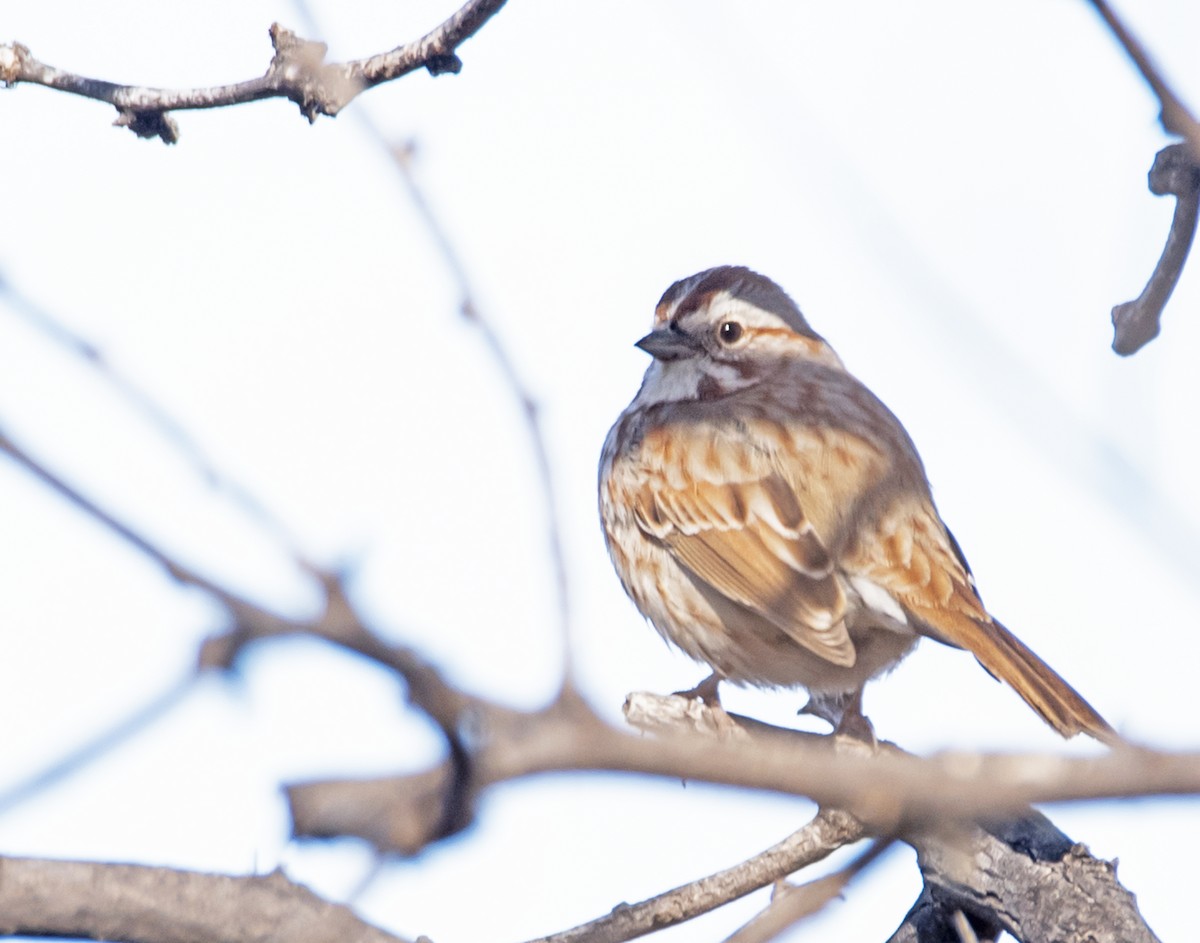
(771, 517)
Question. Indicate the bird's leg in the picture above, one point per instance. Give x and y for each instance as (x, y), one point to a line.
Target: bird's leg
(706, 691)
(842, 711)
(710, 707)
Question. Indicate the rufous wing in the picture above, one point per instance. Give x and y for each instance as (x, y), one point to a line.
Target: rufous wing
(913, 557)
(749, 541)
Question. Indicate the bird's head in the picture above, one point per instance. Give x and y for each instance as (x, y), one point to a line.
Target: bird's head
(720, 331)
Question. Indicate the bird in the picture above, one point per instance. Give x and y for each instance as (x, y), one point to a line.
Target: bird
(771, 517)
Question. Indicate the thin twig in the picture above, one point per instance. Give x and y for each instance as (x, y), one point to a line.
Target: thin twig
(297, 72)
(155, 416)
(522, 395)
(827, 832)
(338, 624)
(97, 747)
(791, 904)
(1175, 116)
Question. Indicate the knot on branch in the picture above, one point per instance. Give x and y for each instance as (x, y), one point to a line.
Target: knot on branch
(444, 64)
(148, 124)
(1174, 172)
(298, 70)
(12, 63)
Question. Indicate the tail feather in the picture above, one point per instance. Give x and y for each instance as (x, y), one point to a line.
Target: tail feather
(1006, 657)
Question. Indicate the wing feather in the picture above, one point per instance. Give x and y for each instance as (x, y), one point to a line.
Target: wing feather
(911, 556)
(932, 583)
(750, 542)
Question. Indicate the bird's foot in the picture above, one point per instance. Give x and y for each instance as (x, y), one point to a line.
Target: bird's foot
(843, 712)
(706, 691)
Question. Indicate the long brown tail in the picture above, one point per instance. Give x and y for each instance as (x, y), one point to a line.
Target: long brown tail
(1006, 657)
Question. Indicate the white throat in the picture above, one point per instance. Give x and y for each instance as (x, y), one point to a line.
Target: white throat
(673, 381)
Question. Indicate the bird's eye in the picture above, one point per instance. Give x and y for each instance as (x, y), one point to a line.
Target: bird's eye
(729, 332)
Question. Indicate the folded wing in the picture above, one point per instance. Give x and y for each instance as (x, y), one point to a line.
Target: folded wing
(750, 541)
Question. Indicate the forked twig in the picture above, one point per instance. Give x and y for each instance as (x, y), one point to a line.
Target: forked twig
(827, 832)
(792, 903)
(297, 72)
(1176, 170)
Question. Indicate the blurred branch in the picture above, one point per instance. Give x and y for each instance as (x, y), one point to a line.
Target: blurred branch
(889, 793)
(144, 405)
(1175, 116)
(792, 903)
(97, 747)
(297, 72)
(1176, 170)
(402, 157)
(337, 623)
(1136, 323)
(886, 791)
(101, 901)
(513, 381)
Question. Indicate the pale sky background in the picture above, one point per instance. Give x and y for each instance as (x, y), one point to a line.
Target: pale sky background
(955, 195)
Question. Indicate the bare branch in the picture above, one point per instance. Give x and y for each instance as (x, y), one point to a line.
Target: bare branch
(827, 832)
(513, 381)
(890, 792)
(1136, 323)
(297, 72)
(1175, 116)
(792, 903)
(1176, 170)
(177, 570)
(140, 904)
(145, 406)
(97, 747)
(402, 156)
(980, 878)
(1024, 876)
(337, 624)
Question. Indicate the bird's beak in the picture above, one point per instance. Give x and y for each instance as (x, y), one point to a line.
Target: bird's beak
(665, 344)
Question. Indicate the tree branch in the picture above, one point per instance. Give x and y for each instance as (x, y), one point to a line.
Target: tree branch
(891, 792)
(1137, 322)
(791, 904)
(1024, 876)
(1176, 170)
(297, 72)
(101, 901)
(886, 791)
(142, 404)
(827, 832)
(1175, 117)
